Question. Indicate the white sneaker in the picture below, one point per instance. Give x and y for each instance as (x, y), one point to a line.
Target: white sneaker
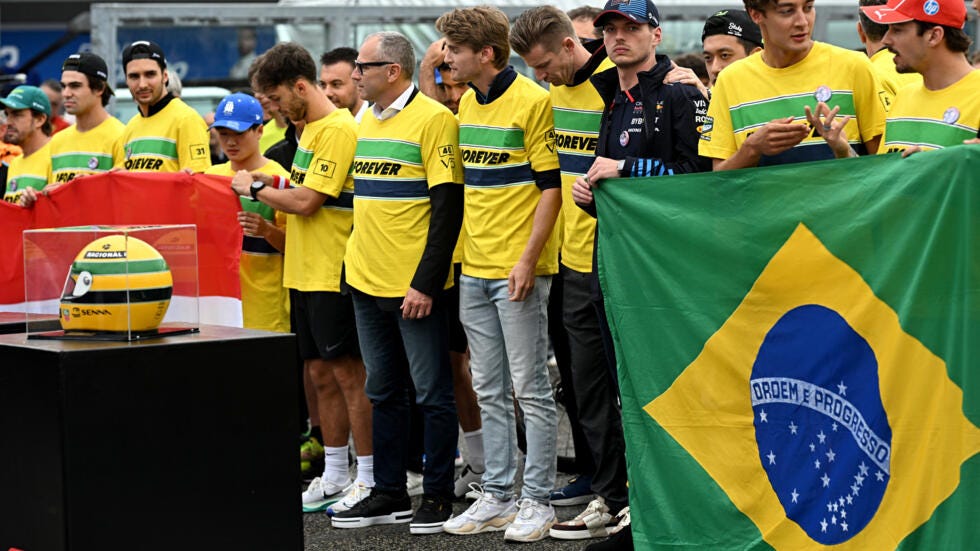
(321, 493)
(622, 520)
(466, 477)
(594, 522)
(413, 483)
(486, 514)
(355, 493)
(476, 490)
(534, 520)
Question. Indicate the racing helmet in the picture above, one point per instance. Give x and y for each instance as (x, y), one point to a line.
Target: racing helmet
(116, 283)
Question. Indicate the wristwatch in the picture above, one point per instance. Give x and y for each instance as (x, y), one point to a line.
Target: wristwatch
(619, 166)
(255, 187)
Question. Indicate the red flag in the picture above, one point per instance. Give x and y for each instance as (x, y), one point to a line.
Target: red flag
(126, 198)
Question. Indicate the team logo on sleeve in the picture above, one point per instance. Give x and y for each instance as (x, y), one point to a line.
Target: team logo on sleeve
(199, 151)
(705, 130)
(446, 156)
(549, 140)
(324, 167)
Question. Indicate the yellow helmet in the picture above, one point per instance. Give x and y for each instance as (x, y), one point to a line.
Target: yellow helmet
(116, 283)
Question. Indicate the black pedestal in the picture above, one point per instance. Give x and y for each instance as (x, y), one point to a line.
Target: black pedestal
(16, 322)
(179, 443)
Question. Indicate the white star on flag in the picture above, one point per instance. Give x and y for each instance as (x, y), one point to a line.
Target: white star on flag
(792, 427)
(831, 455)
(812, 447)
(834, 426)
(816, 464)
(842, 388)
(833, 519)
(823, 525)
(843, 513)
(864, 468)
(825, 479)
(762, 416)
(843, 526)
(772, 458)
(822, 437)
(795, 495)
(850, 500)
(856, 489)
(880, 476)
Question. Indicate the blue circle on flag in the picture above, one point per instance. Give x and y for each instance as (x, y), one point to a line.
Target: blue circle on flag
(822, 431)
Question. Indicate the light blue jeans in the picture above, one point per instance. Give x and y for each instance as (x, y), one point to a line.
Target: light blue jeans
(508, 351)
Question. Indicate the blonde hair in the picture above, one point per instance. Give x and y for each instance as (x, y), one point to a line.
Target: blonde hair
(476, 28)
(544, 25)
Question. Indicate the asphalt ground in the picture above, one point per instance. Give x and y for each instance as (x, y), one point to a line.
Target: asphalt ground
(320, 536)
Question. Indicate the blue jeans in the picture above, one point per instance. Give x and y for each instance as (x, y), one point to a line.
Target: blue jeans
(508, 353)
(399, 354)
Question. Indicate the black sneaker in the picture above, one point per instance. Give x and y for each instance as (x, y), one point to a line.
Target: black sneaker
(620, 541)
(378, 508)
(432, 514)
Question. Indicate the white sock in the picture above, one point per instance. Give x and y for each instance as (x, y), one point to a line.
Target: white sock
(474, 450)
(335, 465)
(365, 470)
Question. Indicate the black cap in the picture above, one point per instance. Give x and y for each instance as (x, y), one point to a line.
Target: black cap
(88, 64)
(735, 23)
(144, 49)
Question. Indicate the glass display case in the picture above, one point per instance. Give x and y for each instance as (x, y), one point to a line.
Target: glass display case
(120, 283)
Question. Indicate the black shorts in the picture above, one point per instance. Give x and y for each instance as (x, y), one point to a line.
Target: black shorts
(457, 336)
(324, 324)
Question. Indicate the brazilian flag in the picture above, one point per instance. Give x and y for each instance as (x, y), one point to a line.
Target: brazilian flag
(799, 353)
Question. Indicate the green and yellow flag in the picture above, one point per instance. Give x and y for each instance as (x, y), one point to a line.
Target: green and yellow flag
(799, 353)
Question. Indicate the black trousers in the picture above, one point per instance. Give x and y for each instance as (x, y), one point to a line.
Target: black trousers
(596, 388)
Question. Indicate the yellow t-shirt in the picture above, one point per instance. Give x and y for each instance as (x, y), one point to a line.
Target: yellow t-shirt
(750, 93)
(33, 171)
(892, 80)
(272, 134)
(501, 143)
(398, 160)
(315, 244)
(934, 119)
(75, 153)
(577, 111)
(169, 140)
(265, 302)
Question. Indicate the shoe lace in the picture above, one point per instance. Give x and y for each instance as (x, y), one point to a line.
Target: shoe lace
(624, 517)
(593, 508)
(315, 485)
(354, 491)
(485, 499)
(527, 508)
